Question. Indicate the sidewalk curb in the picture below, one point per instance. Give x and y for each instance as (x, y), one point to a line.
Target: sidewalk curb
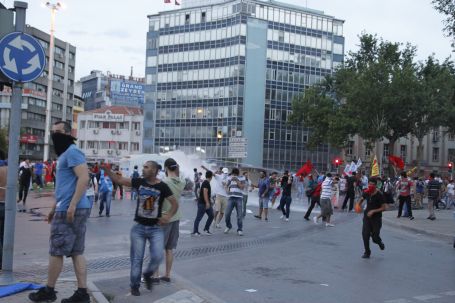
(96, 293)
(444, 237)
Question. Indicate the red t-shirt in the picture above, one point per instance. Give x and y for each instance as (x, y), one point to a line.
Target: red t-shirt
(404, 187)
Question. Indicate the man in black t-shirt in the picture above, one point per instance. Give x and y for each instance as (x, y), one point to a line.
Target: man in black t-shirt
(372, 217)
(286, 199)
(151, 194)
(350, 192)
(204, 206)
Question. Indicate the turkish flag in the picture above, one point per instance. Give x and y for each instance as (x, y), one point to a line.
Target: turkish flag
(177, 3)
(305, 169)
(396, 161)
(167, 1)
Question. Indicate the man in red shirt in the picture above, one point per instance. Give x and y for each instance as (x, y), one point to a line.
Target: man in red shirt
(404, 189)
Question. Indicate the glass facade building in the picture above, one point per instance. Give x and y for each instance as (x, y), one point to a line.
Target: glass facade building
(222, 69)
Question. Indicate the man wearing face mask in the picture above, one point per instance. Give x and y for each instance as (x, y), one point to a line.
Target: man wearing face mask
(68, 216)
(372, 217)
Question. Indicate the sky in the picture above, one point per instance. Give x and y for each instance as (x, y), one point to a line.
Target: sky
(110, 35)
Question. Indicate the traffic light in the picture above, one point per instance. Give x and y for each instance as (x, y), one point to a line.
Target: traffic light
(450, 166)
(337, 162)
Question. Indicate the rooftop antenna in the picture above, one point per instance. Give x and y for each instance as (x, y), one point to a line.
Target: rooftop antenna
(131, 75)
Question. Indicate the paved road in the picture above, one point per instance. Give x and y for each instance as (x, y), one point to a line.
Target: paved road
(275, 261)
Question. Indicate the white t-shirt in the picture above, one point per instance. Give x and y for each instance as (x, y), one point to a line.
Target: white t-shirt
(451, 188)
(326, 189)
(217, 185)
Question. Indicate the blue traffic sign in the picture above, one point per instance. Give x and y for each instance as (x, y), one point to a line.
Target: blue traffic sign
(22, 58)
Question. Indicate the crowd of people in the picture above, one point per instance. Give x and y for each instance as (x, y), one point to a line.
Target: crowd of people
(218, 193)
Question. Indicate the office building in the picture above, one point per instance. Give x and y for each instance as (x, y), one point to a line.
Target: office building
(221, 75)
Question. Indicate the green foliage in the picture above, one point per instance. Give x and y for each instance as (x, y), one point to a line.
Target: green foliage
(447, 8)
(379, 93)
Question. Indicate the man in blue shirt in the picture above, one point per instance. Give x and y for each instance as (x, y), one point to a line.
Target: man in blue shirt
(264, 188)
(39, 174)
(68, 216)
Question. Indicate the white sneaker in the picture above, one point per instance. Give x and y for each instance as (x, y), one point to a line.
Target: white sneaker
(282, 217)
(287, 219)
(240, 233)
(217, 226)
(329, 225)
(227, 230)
(315, 220)
(207, 233)
(195, 234)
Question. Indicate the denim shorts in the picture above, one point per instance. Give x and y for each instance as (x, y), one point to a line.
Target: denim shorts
(264, 202)
(68, 239)
(171, 235)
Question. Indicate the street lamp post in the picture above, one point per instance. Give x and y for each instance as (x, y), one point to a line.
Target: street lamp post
(54, 7)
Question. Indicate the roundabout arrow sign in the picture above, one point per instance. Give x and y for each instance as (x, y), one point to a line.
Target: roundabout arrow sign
(22, 58)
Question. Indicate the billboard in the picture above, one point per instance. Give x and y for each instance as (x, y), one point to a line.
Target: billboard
(127, 92)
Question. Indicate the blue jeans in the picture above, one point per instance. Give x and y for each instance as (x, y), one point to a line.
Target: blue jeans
(285, 202)
(139, 236)
(106, 198)
(237, 203)
(201, 210)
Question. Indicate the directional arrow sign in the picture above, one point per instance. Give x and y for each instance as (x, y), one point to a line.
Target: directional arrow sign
(22, 58)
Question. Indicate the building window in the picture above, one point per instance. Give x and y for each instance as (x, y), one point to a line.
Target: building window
(271, 135)
(350, 148)
(288, 135)
(136, 126)
(435, 136)
(385, 151)
(123, 146)
(187, 19)
(81, 144)
(82, 124)
(367, 152)
(305, 138)
(403, 152)
(435, 155)
(272, 114)
(451, 137)
(134, 146)
(203, 17)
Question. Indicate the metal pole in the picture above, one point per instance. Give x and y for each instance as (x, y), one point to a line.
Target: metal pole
(13, 158)
(50, 79)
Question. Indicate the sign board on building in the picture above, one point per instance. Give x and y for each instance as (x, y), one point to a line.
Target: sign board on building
(126, 91)
(108, 117)
(237, 147)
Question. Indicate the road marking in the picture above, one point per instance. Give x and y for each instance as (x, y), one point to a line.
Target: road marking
(185, 231)
(427, 297)
(184, 222)
(250, 290)
(397, 301)
(181, 297)
(324, 284)
(449, 293)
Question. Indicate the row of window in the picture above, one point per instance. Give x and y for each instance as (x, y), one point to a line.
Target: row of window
(202, 74)
(198, 55)
(203, 35)
(209, 92)
(57, 50)
(198, 112)
(323, 42)
(103, 145)
(87, 124)
(264, 12)
(289, 77)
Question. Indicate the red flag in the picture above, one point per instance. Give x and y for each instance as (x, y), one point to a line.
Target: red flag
(177, 3)
(305, 169)
(396, 161)
(167, 1)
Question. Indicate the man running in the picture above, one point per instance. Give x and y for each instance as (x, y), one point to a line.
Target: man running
(372, 217)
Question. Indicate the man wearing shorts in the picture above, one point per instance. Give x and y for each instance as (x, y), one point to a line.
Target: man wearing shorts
(68, 217)
(221, 197)
(326, 202)
(171, 230)
(264, 190)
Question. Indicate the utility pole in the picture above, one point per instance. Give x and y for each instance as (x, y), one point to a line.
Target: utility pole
(6, 276)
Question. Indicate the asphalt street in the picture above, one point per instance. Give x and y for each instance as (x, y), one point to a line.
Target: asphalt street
(276, 261)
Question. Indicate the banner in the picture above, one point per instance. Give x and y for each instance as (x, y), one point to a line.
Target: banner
(396, 161)
(305, 169)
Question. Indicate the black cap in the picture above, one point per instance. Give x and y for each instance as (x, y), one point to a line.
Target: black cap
(170, 163)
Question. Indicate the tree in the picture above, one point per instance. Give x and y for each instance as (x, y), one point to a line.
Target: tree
(447, 7)
(434, 91)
